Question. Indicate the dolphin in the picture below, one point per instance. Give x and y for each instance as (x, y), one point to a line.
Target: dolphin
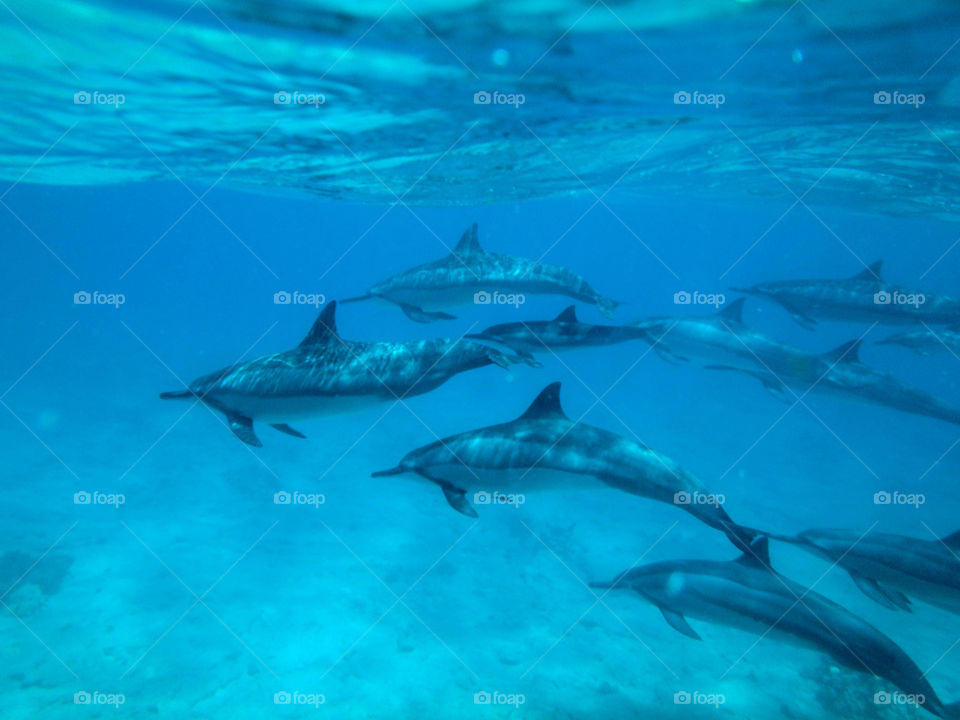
(543, 449)
(471, 274)
(326, 374)
(726, 343)
(747, 594)
(564, 332)
(865, 297)
(927, 342)
(890, 568)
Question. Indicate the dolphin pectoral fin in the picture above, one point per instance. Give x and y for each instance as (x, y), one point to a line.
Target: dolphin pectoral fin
(458, 500)
(669, 356)
(422, 316)
(242, 427)
(890, 599)
(807, 323)
(679, 623)
(284, 428)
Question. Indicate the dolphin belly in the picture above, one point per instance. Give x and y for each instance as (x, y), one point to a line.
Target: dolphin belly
(280, 409)
(510, 479)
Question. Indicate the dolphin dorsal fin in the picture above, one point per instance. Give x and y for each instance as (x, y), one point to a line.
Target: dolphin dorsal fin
(846, 353)
(468, 242)
(567, 316)
(758, 554)
(734, 311)
(952, 541)
(324, 327)
(546, 405)
(872, 272)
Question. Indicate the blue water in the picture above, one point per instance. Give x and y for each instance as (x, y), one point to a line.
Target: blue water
(200, 597)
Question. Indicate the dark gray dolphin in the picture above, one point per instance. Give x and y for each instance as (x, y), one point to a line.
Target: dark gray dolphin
(564, 332)
(890, 569)
(326, 374)
(543, 449)
(725, 343)
(865, 297)
(470, 274)
(747, 594)
(926, 342)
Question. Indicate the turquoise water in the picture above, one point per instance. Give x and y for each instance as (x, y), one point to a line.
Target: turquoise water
(198, 198)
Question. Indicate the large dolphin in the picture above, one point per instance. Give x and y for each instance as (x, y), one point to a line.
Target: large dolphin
(326, 374)
(471, 274)
(564, 332)
(865, 297)
(747, 594)
(926, 341)
(726, 343)
(543, 449)
(891, 568)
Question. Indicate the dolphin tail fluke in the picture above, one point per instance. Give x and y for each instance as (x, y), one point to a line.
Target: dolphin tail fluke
(398, 470)
(607, 306)
(177, 395)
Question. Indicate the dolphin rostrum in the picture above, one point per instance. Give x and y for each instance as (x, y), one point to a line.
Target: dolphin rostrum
(326, 374)
(926, 342)
(889, 569)
(471, 274)
(723, 341)
(543, 449)
(865, 297)
(747, 594)
(564, 332)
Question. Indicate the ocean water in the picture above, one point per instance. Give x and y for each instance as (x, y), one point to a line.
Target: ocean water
(196, 198)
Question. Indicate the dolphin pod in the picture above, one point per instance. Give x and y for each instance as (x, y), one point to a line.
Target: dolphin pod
(543, 449)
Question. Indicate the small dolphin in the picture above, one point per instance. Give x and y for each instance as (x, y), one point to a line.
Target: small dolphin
(865, 297)
(326, 374)
(927, 342)
(747, 594)
(543, 449)
(564, 332)
(891, 568)
(723, 341)
(470, 274)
